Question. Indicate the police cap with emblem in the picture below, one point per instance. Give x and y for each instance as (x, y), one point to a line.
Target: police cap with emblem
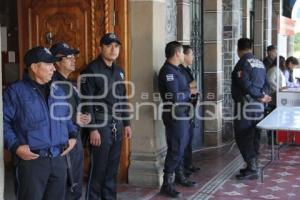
(39, 54)
(109, 38)
(63, 48)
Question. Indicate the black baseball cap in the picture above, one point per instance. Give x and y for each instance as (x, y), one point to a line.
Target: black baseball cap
(271, 47)
(109, 38)
(39, 54)
(63, 48)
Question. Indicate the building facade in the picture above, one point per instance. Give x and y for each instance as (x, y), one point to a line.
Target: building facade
(211, 27)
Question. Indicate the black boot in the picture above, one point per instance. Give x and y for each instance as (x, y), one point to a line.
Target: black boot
(243, 170)
(168, 188)
(182, 180)
(251, 173)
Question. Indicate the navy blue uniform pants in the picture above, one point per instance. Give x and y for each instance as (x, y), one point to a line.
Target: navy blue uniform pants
(247, 136)
(177, 135)
(188, 158)
(42, 178)
(102, 183)
(76, 157)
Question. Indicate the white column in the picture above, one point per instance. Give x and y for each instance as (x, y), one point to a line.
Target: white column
(268, 23)
(148, 144)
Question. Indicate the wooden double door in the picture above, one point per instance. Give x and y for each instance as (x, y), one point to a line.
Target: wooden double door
(80, 23)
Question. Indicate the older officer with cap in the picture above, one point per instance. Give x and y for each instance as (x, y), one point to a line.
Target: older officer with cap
(38, 129)
(64, 67)
(107, 106)
(249, 88)
(175, 93)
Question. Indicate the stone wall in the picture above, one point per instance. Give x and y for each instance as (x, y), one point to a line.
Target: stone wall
(232, 31)
(259, 9)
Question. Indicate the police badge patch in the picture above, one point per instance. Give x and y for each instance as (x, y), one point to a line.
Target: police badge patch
(170, 77)
(47, 51)
(112, 36)
(255, 63)
(122, 75)
(65, 45)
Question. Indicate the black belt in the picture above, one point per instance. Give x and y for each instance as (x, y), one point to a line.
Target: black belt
(49, 152)
(102, 116)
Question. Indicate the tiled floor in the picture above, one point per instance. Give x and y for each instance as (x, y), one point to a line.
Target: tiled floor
(216, 180)
(281, 181)
(211, 163)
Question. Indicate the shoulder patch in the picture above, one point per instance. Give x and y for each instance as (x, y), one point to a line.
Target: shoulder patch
(170, 77)
(255, 63)
(240, 74)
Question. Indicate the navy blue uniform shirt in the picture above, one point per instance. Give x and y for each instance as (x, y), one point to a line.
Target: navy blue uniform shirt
(248, 78)
(95, 86)
(172, 84)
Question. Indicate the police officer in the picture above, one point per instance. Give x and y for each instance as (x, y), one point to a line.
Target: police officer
(187, 72)
(175, 93)
(64, 67)
(249, 88)
(107, 106)
(271, 56)
(38, 130)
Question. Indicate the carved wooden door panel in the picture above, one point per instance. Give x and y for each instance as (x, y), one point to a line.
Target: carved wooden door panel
(73, 21)
(80, 23)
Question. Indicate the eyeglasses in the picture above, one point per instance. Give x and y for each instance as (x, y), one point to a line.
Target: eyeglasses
(69, 56)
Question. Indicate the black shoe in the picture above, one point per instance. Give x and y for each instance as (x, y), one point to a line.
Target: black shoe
(169, 191)
(185, 182)
(251, 164)
(250, 172)
(193, 169)
(182, 180)
(168, 188)
(247, 175)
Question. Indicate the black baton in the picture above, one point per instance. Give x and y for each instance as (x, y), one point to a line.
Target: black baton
(70, 173)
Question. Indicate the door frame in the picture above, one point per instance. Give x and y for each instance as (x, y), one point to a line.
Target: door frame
(121, 28)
